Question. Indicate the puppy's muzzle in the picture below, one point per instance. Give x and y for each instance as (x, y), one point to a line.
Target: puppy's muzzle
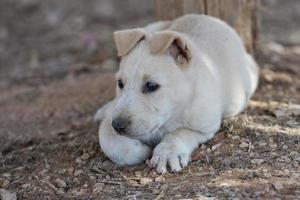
(121, 125)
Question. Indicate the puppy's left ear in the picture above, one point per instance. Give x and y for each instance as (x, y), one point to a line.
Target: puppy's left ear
(172, 42)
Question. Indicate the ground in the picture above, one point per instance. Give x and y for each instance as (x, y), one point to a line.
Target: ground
(56, 69)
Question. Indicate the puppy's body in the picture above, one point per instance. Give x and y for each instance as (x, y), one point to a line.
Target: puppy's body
(204, 74)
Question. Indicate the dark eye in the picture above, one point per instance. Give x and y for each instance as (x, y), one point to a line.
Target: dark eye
(120, 84)
(150, 87)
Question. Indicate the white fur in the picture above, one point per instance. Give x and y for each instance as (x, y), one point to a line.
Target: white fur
(188, 108)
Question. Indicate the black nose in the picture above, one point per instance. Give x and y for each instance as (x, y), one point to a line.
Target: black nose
(120, 124)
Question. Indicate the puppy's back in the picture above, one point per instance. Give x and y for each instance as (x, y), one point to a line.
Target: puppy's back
(217, 41)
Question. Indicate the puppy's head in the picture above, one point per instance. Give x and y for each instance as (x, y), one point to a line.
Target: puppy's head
(152, 88)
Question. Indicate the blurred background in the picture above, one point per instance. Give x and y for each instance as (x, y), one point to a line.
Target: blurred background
(57, 59)
(51, 37)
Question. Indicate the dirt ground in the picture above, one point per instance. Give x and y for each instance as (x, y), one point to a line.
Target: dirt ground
(56, 68)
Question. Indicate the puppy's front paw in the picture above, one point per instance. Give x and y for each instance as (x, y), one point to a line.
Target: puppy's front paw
(172, 156)
(100, 114)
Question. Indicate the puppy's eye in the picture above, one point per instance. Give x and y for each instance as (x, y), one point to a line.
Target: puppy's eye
(150, 87)
(120, 84)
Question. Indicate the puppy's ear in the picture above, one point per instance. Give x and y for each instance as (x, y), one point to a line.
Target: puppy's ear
(126, 39)
(172, 42)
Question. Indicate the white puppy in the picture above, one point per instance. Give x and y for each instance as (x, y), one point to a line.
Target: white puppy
(177, 81)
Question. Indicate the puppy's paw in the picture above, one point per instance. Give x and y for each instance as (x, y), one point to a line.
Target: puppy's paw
(132, 153)
(100, 114)
(169, 156)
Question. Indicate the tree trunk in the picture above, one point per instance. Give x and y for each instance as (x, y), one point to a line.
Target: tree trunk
(240, 14)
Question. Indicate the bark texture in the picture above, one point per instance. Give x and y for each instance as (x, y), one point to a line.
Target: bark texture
(240, 14)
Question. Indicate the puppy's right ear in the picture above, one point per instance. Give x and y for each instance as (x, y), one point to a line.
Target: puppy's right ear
(126, 39)
(174, 43)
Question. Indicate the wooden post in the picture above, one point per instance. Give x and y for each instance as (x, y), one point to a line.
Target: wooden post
(240, 14)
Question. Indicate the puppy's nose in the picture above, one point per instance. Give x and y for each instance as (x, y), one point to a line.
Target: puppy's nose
(120, 125)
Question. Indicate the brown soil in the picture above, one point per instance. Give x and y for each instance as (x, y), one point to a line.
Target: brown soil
(49, 145)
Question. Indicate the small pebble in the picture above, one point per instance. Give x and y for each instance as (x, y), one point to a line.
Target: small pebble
(257, 161)
(262, 144)
(76, 180)
(277, 186)
(70, 170)
(62, 171)
(138, 174)
(60, 183)
(267, 175)
(79, 192)
(85, 185)
(244, 145)
(60, 191)
(273, 145)
(92, 178)
(26, 185)
(78, 172)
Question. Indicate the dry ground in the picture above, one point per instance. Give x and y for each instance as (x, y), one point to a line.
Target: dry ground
(48, 140)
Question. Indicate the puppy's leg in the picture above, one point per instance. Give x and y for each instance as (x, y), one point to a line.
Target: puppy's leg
(175, 149)
(121, 149)
(100, 114)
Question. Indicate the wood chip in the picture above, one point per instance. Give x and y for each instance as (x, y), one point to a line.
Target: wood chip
(85, 156)
(145, 181)
(213, 148)
(97, 188)
(133, 183)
